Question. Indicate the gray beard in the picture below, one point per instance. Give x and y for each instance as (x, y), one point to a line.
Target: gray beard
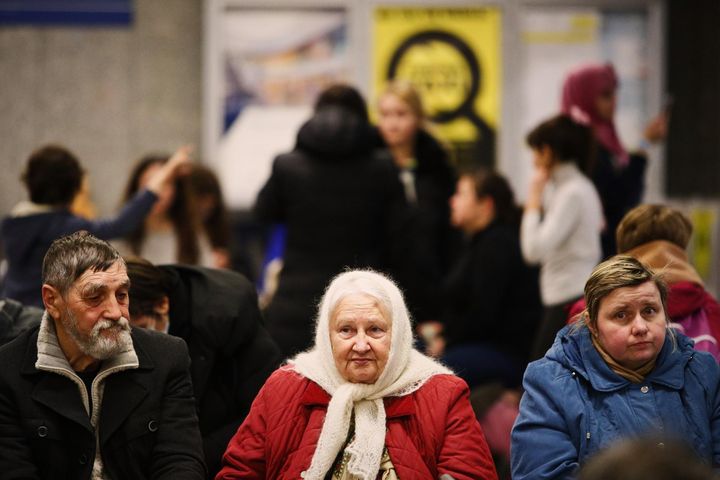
(96, 344)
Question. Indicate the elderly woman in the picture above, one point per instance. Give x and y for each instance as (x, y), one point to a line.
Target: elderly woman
(361, 404)
(620, 373)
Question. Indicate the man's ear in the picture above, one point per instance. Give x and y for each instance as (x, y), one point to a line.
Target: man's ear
(52, 299)
(162, 306)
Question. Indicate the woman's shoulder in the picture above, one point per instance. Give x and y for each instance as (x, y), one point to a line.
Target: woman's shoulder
(442, 387)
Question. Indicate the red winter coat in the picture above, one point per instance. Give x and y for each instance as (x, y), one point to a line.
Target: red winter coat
(430, 432)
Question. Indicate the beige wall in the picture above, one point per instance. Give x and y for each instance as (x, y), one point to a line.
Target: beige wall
(109, 94)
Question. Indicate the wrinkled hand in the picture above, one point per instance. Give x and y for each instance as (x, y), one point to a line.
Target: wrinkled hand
(656, 130)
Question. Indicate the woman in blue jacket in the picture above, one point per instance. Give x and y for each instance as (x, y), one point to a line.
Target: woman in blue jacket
(619, 373)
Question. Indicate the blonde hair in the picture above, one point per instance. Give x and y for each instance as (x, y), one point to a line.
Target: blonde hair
(618, 272)
(406, 92)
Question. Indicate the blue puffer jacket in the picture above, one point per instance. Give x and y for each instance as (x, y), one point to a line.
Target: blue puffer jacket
(575, 405)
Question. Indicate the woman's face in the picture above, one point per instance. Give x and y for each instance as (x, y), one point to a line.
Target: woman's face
(166, 194)
(631, 324)
(360, 337)
(467, 211)
(543, 158)
(605, 104)
(398, 124)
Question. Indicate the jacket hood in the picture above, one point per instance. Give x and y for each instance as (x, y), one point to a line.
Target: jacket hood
(333, 132)
(574, 350)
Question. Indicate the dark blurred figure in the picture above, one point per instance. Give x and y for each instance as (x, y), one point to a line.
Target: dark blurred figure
(15, 318)
(491, 297)
(53, 177)
(646, 459)
(590, 96)
(342, 205)
(427, 176)
(216, 313)
(171, 232)
(212, 213)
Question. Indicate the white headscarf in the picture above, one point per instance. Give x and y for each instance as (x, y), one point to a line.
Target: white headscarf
(406, 371)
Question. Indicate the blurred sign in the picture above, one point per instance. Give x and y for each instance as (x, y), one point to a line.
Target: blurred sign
(704, 221)
(452, 56)
(275, 63)
(66, 12)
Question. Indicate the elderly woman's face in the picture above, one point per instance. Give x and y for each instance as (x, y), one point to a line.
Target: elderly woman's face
(360, 338)
(631, 324)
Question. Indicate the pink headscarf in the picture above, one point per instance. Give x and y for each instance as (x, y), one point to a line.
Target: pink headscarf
(580, 92)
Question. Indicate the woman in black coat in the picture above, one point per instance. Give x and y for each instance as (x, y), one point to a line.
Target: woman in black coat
(428, 178)
(589, 96)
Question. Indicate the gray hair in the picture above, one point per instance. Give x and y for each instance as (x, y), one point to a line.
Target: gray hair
(70, 256)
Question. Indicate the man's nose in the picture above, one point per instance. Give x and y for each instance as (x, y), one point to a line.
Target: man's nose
(112, 309)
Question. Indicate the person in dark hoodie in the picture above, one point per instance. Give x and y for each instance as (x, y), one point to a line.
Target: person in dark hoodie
(53, 177)
(216, 313)
(342, 205)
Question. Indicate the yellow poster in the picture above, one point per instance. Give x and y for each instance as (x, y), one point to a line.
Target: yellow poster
(704, 222)
(452, 56)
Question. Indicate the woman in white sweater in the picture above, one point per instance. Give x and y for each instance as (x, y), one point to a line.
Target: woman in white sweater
(562, 220)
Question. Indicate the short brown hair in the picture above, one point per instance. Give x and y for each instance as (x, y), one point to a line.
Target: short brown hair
(646, 223)
(618, 272)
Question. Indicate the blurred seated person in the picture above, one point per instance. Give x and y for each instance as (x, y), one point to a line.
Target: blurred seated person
(84, 396)
(619, 373)
(647, 459)
(216, 313)
(15, 318)
(491, 297)
(53, 177)
(360, 404)
(658, 236)
(212, 213)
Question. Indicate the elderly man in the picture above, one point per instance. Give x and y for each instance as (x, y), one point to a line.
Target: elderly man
(82, 396)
